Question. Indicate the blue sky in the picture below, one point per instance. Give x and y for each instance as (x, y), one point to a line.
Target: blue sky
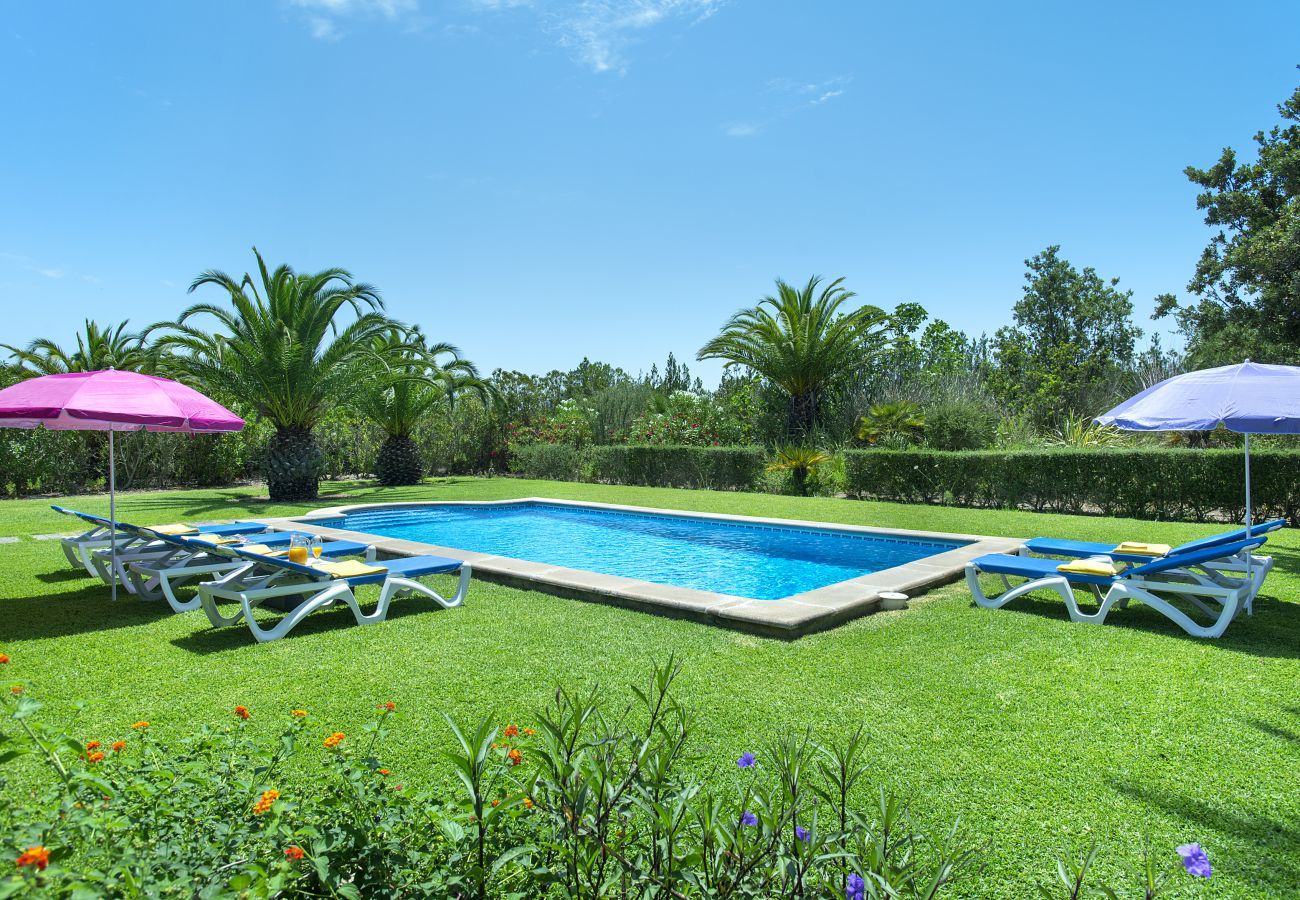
(542, 181)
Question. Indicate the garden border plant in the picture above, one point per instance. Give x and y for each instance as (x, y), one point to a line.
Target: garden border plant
(590, 804)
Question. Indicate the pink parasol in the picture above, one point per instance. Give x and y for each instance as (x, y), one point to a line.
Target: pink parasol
(112, 401)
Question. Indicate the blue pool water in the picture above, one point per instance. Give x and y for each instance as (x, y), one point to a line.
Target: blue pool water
(762, 562)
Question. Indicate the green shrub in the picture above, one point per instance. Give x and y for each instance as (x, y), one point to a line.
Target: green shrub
(36, 461)
(960, 424)
(1140, 483)
(557, 462)
(713, 468)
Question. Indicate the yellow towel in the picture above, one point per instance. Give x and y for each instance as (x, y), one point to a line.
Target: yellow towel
(1092, 566)
(349, 568)
(214, 539)
(174, 528)
(1137, 548)
(263, 550)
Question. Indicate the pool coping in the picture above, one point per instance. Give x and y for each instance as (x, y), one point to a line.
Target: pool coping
(789, 617)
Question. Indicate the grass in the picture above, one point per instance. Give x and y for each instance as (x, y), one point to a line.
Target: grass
(1039, 733)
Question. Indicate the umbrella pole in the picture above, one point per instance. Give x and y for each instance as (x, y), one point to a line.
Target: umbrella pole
(112, 509)
(1250, 599)
(1248, 510)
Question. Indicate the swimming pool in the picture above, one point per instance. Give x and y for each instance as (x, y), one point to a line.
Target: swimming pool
(774, 577)
(722, 556)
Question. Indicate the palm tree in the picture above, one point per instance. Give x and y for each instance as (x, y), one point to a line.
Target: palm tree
(900, 419)
(98, 348)
(281, 351)
(411, 380)
(800, 342)
(799, 462)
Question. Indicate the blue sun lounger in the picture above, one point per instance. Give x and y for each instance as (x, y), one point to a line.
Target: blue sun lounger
(323, 584)
(1230, 570)
(140, 545)
(1154, 583)
(155, 575)
(79, 548)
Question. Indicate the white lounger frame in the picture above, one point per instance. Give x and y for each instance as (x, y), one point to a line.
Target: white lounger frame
(1197, 590)
(323, 593)
(155, 578)
(80, 549)
(1230, 572)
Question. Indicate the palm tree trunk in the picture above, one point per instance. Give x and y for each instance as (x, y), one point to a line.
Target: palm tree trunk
(293, 465)
(801, 415)
(399, 461)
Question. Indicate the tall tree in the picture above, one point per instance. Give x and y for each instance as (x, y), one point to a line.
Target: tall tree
(98, 348)
(801, 342)
(1073, 334)
(411, 380)
(283, 351)
(1247, 280)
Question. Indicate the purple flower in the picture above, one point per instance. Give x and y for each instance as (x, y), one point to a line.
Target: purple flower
(748, 818)
(801, 833)
(746, 760)
(855, 888)
(1194, 860)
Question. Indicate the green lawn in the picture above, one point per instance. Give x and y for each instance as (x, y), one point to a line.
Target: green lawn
(1038, 732)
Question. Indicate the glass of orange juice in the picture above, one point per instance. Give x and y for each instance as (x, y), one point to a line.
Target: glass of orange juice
(298, 549)
(317, 545)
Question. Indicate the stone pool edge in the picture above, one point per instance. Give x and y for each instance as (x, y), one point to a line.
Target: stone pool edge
(788, 618)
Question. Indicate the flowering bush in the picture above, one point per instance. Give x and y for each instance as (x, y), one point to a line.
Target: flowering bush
(688, 419)
(569, 423)
(591, 803)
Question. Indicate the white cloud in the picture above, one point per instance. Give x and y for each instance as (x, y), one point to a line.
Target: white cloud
(323, 16)
(599, 31)
(51, 273)
(323, 29)
(787, 97)
(390, 9)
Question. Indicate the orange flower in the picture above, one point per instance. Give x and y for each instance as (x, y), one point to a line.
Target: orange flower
(264, 804)
(495, 745)
(34, 856)
(94, 757)
(16, 689)
(293, 853)
(139, 725)
(529, 732)
(515, 756)
(119, 746)
(92, 745)
(496, 803)
(4, 659)
(242, 712)
(385, 772)
(387, 707)
(298, 713)
(334, 740)
(511, 731)
(528, 803)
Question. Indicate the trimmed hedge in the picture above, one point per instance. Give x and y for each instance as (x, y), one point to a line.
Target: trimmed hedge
(713, 468)
(1142, 484)
(556, 462)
